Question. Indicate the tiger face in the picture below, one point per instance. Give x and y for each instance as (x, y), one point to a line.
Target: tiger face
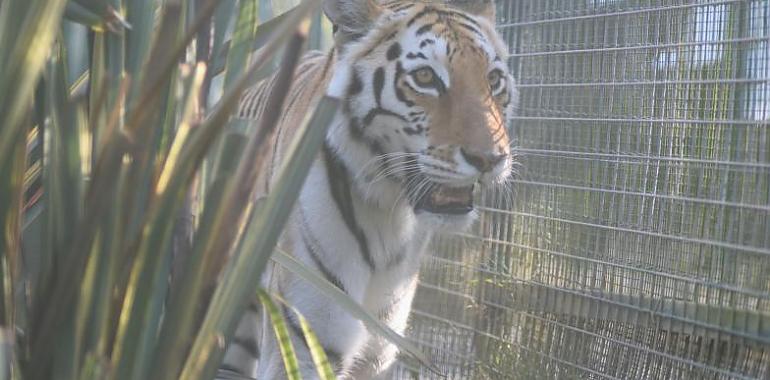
(426, 96)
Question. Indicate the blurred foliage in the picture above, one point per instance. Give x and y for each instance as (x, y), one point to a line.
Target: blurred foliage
(125, 179)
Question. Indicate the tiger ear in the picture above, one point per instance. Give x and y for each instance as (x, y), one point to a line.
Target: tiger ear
(351, 18)
(482, 8)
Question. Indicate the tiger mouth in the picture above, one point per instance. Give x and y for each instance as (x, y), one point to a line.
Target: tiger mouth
(442, 199)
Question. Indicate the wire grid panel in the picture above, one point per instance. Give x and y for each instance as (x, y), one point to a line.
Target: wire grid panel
(637, 241)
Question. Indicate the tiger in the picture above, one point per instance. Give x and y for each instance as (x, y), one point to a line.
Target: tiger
(425, 93)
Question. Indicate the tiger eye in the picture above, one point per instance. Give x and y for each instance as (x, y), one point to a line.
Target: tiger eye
(494, 78)
(424, 77)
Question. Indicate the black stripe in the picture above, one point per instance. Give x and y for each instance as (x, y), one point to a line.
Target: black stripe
(379, 83)
(418, 129)
(400, 7)
(381, 42)
(248, 345)
(339, 184)
(399, 92)
(335, 360)
(357, 134)
(388, 37)
(395, 261)
(380, 111)
(356, 86)
(466, 18)
(354, 127)
(419, 15)
(442, 14)
(394, 51)
(472, 29)
(317, 261)
(416, 55)
(424, 29)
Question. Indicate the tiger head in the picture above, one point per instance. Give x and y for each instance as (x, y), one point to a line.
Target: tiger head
(426, 93)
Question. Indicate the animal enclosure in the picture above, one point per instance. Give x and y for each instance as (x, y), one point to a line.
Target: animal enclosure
(637, 240)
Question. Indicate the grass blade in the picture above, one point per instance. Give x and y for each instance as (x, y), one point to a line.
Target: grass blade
(77, 13)
(6, 354)
(222, 16)
(11, 190)
(26, 58)
(63, 192)
(140, 14)
(243, 36)
(265, 31)
(320, 360)
(290, 363)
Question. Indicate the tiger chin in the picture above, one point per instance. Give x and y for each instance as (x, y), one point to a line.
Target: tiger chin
(425, 94)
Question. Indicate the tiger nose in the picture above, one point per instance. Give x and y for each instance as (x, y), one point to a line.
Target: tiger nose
(484, 162)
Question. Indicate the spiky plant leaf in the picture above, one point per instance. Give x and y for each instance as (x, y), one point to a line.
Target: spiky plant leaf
(282, 337)
(183, 309)
(320, 360)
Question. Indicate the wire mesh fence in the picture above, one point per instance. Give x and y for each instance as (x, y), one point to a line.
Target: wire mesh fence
(637, 244)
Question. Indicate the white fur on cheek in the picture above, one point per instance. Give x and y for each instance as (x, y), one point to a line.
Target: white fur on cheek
(339, 81)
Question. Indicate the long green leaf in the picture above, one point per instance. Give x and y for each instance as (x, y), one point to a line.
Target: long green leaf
(103, 311)
(320, 360)
(75, 40)
(239, 188)
(11, 191)
(140, 14)
(183, 309)
(142, 307)
(282, 337)
(63, 184)
(77, 13)
(341, 299)
(222, 16)
(102, 185)
(144, 156)
(6, 354)
(243, 36)
(26, 49)
(63, 171)
(263, 34)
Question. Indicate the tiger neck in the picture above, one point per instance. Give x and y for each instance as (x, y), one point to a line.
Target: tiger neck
(386, 232)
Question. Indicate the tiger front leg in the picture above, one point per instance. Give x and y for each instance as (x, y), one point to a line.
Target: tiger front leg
(340, 335)
(376, 360)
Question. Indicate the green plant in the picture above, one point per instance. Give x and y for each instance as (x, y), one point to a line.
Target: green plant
(130, 243)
